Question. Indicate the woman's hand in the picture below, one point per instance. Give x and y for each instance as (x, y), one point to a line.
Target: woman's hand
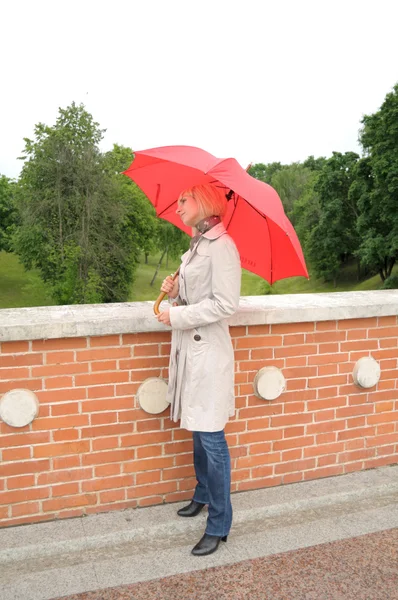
(164, 317)
(170, 287)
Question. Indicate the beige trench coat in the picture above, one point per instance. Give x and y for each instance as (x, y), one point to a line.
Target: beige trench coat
(201, 372)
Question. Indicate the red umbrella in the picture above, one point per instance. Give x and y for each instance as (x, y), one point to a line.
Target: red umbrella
(255, 219)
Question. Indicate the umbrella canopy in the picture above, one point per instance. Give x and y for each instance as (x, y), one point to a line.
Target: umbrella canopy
(255, 218)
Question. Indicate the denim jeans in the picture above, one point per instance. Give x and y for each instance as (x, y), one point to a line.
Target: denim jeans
(213, 473)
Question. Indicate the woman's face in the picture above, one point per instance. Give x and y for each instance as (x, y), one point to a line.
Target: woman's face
(188, 210)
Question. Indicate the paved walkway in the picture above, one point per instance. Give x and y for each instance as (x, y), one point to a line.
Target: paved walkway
(327, 539)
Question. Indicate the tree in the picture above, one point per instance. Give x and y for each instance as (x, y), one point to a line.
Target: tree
(376, 190)
(290, 183)
(265, 172)
(7, 212)
(334, 239)
(74, 223)
(306, 212)
(141, 213)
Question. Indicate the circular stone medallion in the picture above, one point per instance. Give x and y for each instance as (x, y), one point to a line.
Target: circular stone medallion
(269, 383)
(18, 408)
(151, 395)
(366, 372)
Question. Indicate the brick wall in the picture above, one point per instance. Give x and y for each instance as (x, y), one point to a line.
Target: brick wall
(93, 449)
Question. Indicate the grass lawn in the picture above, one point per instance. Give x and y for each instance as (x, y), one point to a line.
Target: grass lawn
(20, 288)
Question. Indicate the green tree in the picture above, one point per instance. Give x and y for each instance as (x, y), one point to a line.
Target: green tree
(265, 172)
(334, 239)
(8, 214)
(74, 224)
(290, 183)
(376, 189)
(306, 212)
(141, 213)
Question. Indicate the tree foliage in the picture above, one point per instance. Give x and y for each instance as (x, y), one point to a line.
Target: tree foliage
(334, 238)
(75, 221)
(376, 189)
(8, 215)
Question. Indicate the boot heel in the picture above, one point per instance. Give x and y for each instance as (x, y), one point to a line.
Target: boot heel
(224, 539)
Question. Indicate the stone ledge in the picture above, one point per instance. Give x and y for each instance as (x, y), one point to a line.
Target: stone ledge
(49, 322)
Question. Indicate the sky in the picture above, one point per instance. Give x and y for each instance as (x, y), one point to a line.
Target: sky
(257, 80)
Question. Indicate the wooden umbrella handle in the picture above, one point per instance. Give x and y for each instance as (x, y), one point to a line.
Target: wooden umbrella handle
(163, 294)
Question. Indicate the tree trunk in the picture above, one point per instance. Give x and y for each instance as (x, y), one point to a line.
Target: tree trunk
(158, 267)
(146, 257)
(390, 267)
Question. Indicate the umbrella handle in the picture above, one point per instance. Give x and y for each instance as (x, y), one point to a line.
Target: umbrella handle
(163, 294)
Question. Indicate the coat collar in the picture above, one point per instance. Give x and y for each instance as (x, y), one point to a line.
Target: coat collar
(215, 232)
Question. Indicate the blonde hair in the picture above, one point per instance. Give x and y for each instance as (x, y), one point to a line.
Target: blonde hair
(211, 199)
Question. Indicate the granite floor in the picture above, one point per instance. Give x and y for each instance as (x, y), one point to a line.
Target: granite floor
(360, 568)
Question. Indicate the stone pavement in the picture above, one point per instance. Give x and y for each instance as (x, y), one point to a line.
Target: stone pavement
(327, 539)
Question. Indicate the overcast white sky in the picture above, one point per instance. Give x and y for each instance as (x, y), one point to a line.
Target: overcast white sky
(257, 80)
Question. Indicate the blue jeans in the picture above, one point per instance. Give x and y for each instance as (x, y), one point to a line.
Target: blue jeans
(213, 473)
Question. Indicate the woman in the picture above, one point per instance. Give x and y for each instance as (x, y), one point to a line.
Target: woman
(201, 373)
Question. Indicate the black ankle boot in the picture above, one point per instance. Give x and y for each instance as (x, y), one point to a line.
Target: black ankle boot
(208, 544)
(191, 510)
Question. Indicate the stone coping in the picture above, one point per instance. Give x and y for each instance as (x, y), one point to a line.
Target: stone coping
(47, 322)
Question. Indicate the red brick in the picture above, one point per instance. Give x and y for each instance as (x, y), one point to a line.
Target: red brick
(64, 435)
(178, 473)
(325, 325)
(58, 382)
(21, 481)
(14, 347)
(253, 330)
(26, 508)
(149, 451)
(164, 487)
(146, 338)
(291, 467)
(20, 360)
(292, 327)
(97, 458)
(103, 430)
(58, 344)
(106, 483)
(16, 454)
(357, 323)
(52, 370)
(58, 504)
(106, 470)
(293, 443)
(101, 378)
(24, 439)
(324, 472)
(47, 450)
(105, 340)
(327, 359)
(65, 422)
(59, 358)
(64, 476)
(293, 419)
(66, 408)
(142, 439)
(15, 496)
(65, 489)
(105, 443)
(350, 434)
(17, 373)
(66, 462)
(306, 349)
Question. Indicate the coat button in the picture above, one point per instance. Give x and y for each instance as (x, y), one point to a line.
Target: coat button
(197, 338)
